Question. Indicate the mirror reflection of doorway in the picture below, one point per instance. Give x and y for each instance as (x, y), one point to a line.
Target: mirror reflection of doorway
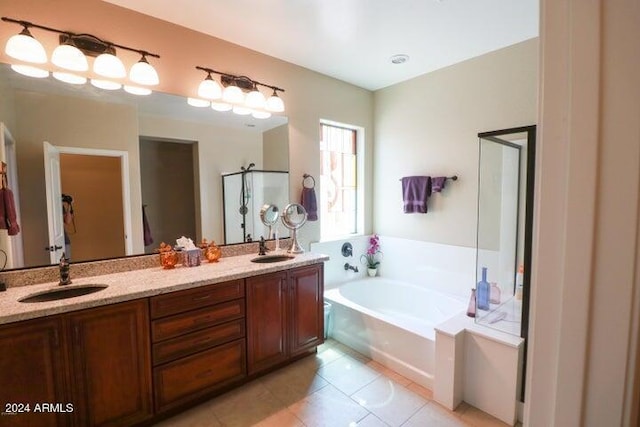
(168, 179)
(96, 228)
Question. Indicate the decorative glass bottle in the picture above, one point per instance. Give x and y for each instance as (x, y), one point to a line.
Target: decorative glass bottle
(471, 309)
(483, 291)
(494, 293)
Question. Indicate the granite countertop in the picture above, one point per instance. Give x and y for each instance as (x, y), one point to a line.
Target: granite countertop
(143, 283)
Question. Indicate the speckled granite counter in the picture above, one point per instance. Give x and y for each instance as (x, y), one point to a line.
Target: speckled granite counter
(135, 284)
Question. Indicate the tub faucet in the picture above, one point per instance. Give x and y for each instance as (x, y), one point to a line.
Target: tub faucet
(348, 267)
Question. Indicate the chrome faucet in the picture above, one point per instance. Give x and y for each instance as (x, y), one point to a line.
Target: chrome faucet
(65, 278)
(348, 267)
(262, 247)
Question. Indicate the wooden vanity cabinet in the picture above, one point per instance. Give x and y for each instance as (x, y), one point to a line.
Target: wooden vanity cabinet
(32, 370)
(96, 360)
(198, 342)
(285, 315)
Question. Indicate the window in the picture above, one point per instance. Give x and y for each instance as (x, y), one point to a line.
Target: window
(338, 180)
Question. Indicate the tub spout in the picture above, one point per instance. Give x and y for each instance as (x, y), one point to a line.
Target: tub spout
(348, 267)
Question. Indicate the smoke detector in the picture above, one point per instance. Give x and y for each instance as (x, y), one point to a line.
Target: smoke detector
(399, 59)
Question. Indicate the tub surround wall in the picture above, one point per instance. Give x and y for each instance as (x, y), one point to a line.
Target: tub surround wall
(334, 272)
(429, 125)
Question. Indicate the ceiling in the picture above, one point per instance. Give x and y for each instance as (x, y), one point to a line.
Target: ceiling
(353, 40)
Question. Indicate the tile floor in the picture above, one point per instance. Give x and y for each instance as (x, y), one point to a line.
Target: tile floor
(334, 388)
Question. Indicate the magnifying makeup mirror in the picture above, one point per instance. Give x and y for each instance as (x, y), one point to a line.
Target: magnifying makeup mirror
(293, 217)
(269, 216)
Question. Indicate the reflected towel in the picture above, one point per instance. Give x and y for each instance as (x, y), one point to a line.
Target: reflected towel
(8, 217)
(146, 230)
(415, 192)
(438, 183)
(309, 202)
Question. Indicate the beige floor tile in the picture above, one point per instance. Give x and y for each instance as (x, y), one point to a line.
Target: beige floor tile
(389, 373)
(294, 383)
(371, 421)
(284, 418)
(328, 407)
(422, 391)
(478, 418)
(246, 406)
(348, 374)
(389, 401)
(199, 416)
(434, 415)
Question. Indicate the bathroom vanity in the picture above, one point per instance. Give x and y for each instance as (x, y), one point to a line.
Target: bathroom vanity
(154, 341)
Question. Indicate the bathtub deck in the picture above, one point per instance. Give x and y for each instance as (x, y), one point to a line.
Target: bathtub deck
(336, 387)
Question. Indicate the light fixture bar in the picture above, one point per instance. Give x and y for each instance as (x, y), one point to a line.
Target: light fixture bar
(72, 35)
(241, 81)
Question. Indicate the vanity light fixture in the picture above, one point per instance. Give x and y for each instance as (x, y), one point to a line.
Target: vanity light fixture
(240, 94)
(71, 55)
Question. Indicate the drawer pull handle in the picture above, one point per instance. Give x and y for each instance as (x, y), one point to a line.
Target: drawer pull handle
(201, 319)
(203, 297)
(203, 340)
(205, 374)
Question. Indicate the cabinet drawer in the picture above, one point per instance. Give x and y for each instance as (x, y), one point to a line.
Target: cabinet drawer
(194, 342)
(178, 302)
(170, 327)
(187, 378)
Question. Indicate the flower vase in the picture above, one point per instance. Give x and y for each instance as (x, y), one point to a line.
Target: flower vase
(372, 272)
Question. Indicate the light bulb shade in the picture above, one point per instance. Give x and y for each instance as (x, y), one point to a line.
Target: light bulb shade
(143, 73)
(233, 95)
(275, 104)
(108, 65)
(26, 48)
(28, 70)
(255, 99)
(221, 106)
(242, 111)
(261, 114)
(210, 89)
(200, 103)
(70, 58)
(73, 79)
(106, 84)
(135, 90)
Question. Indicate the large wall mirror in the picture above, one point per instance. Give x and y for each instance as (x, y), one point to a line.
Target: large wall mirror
(139, 169)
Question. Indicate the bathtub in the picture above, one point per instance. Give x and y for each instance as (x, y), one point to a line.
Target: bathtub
(391, 322)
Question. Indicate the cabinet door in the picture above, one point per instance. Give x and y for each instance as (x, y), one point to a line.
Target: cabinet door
(110, 356)
(266, 321)
(307, 308)
(32, 372)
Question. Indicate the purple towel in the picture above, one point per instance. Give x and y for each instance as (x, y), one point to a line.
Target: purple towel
(309, 202)
(146, 230)
(415, 192)
(8, 218)
(438, 183)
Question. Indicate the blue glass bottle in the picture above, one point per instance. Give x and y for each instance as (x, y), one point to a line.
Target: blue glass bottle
(483, 291)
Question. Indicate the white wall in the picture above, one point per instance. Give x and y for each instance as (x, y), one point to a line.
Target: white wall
(429, 126)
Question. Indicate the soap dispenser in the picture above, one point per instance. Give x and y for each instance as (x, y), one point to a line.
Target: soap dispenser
(482, 291)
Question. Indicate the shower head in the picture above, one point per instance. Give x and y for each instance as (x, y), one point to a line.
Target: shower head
(251, 165)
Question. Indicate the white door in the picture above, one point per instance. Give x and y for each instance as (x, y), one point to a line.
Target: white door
(54, 201)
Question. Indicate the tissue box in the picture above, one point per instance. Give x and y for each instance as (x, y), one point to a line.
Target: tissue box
(191, 257)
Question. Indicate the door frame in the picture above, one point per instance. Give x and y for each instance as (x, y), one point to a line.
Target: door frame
(126, 187)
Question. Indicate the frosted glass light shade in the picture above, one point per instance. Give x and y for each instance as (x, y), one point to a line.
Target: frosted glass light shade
(28, 70)
(135, 90)
(26, 48)
(73, 79)
(200, 103)
(261, 114)
(105, 84)
(275, 104)
(143, 73)
(70, 58)
(233, 95)
(108, 65)
(255, 99)
(221, 106)
(210, 89)
(242, 111)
